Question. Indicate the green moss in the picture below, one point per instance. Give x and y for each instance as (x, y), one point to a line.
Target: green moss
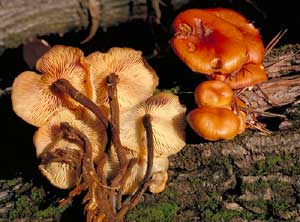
(255, 187)
(23, 208)
(54, 212)
(37, 195)
(5, 184)
(162, 212)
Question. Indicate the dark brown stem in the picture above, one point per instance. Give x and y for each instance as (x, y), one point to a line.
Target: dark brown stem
(64, 86)
(130, 203)
(96, 194)
(150, 150)
(112, 80)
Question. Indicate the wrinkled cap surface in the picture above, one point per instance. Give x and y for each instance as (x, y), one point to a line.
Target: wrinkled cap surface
(207, 43)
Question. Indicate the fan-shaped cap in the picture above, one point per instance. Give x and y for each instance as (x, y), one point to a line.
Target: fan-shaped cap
(137, 80)
(207, 43)
(213, 93)
(168, 123)
(61, 174)
(32, 98)
(255, 46)
(214, 123)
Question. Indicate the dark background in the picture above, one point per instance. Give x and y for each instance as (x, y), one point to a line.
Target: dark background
(17, 151)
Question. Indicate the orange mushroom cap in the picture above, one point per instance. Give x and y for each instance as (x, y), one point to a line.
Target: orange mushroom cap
(241, 115)
(213, 123)
(255, 46)
(208, 44)
(249, 75)
(213, 93)
(32, 98)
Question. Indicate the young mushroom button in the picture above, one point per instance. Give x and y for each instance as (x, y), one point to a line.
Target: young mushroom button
(213, 93)
(32, 97)
(214, 123)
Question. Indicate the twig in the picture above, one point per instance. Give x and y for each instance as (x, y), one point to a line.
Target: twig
(5, 91)
(95, 15)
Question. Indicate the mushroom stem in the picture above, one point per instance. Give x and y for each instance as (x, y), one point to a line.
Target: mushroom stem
(130, 203)
(112, 80)
(96, 193)
(64, 86)
(150, 150)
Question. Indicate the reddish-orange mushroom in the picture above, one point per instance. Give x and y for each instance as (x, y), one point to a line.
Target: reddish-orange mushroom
(255, 46)
(249, 75)
(207, 43)
(213, 93)
(213, 123)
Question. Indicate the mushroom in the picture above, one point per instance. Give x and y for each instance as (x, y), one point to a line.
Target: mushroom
(168, 123)
(47, 139)
(214, 123)
(136, 79)
(137, 170)
(250, 74)
(213, 93)
(255, 46)
(32, 98)
(207, 43)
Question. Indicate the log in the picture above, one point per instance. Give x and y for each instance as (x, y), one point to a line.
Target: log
(22, 21)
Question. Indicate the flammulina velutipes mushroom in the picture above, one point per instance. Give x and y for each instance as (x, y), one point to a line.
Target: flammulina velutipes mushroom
(75, 100)
(222, 45)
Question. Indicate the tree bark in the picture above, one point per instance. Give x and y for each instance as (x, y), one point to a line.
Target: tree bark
(23, 20)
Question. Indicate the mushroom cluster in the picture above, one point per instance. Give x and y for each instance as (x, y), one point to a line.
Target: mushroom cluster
(100, 128)
(221, 44)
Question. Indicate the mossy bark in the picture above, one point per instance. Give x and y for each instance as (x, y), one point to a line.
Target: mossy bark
(253, 177)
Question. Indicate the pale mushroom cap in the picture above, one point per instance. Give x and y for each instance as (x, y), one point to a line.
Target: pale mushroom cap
(60, 175)
(79, 119)
(168, 124)
(137, 80)
(159, 181)
(32, 98)
(138, 172)
(160, 164)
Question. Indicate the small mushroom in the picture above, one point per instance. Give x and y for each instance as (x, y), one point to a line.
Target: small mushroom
(63, 174)
(249, 75)
(136, 79)
(168, 123)
(207, 43)
(213, 93)
(158, 182)
(214, 123)
(255, 46)
(32, 98)
(138, 169)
